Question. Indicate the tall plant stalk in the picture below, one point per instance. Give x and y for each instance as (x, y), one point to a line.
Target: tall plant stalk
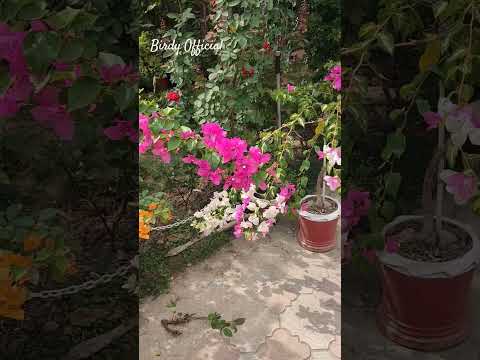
(320, 189)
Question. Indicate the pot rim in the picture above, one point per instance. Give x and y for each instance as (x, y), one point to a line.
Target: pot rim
(319, 217)
(447, 269)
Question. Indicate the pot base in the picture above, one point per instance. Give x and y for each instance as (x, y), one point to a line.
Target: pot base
(313, 246)
(429, 340)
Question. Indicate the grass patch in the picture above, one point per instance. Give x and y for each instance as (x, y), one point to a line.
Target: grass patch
(156, 269)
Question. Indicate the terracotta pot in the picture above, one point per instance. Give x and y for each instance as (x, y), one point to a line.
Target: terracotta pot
(318, 232)
(425, 306)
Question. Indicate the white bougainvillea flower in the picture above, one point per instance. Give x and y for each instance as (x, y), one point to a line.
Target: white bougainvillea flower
(462, 186)
(462, 122)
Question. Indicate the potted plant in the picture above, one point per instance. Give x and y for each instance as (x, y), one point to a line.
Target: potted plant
(319, 214)
(429, 260)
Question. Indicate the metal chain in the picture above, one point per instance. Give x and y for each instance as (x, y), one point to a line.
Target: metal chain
(174, 225)
(104, 279)
(87, 285)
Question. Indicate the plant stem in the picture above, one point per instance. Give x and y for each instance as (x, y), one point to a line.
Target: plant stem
(440, 193)
(320, 193)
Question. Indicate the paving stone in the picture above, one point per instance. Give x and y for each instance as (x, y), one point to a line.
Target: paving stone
(283, 346)
(262, 281)
(322, 355)
(312, 318)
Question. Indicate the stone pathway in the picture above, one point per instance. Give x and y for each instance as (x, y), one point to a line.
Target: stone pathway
(290, 298)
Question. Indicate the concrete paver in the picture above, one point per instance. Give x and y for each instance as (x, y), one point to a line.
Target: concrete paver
(289, 296)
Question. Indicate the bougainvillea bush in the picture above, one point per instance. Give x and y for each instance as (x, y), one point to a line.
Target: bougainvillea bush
(68, 119)
(210, 121)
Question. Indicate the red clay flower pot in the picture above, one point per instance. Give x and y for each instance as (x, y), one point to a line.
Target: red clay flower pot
(425, 306)
(317, 232)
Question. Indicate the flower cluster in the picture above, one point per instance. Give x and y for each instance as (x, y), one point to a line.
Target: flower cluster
(256, 216)
(121, 129)
(355, 205)
(245, 161)
(173, 96)
(463, 123)
(216, 215)
(246, 73)
(116, 73)
(335, 77)
(334, 157)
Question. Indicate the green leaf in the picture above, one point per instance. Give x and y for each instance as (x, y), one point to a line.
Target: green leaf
(83, 93)
(43, 255)
(13, 211)
(431, 56)
(47, 214)
(396, 144)
(24, 221)
(72, 50)
(107, 59)
(124, 95)
(423, 106)
(18, 273)
(173, 144)
(227, 332)
(41, 49)
(392, 184)
(62, 18)
(476, 206)
(439, 7)
(33, 11)
(388, 210)
(386, 42)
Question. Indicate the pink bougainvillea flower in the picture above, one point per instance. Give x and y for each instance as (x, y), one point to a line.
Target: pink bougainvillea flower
(463, 187)
(355, 206)
(160, 150)
(335, 77)
(189, 159)
(189, 134)
(258, 156)
(8, 106)
(333, 155)
(55, 117)
(212, 134)
(230, 149)
(287, 191)
(173, 96)
(38, 26)
(118, 72)
(432, 119)
(392, 245)
(290, 88)
(49, 95)
(216, 176)
(120, 130)
(263, 186)
(333, 182)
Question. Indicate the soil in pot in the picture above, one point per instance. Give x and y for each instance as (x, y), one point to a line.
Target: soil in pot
(426, 313)
(317, 230)
(329, 207)
(411, 248)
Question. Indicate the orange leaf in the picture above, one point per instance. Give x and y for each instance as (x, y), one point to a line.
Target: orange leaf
(32, 242)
